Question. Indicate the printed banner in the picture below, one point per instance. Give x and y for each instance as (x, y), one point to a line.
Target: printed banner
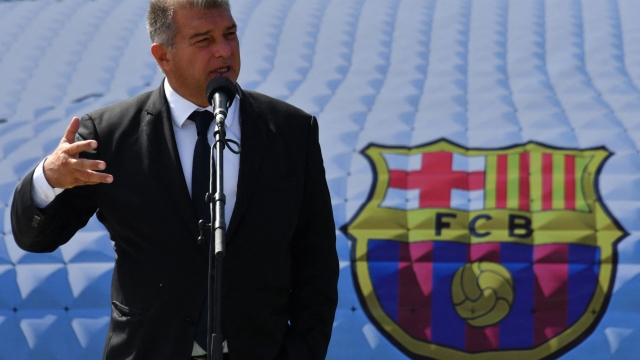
(484, 253)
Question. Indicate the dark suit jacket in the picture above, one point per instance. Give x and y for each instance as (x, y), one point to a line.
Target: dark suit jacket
(280, 270)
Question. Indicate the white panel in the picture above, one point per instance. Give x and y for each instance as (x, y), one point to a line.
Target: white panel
(468, 163)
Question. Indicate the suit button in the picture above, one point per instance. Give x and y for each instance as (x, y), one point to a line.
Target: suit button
(35, 221)
(189, 321)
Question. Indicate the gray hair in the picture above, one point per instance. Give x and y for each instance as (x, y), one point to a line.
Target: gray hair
(160, 23)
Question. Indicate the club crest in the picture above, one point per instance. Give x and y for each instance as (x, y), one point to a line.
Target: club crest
(484, 254)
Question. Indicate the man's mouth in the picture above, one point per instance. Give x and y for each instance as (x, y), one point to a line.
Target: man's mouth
(222, 70)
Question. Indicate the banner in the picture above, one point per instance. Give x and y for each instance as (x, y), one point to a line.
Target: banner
(475, 253)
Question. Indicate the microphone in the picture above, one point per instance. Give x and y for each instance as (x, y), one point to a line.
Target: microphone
(220, 93)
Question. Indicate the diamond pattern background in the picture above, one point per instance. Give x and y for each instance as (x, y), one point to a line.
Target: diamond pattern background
(483, 74)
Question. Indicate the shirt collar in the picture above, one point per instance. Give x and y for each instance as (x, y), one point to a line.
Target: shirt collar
(181, 108)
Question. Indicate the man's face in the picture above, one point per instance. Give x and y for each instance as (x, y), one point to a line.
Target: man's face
(206, 45)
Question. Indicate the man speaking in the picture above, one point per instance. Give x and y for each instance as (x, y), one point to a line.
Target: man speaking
(137, 164)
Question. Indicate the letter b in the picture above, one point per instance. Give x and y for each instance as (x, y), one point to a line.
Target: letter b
(521, 223)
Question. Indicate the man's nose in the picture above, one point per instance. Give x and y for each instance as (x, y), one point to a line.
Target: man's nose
(222, 48)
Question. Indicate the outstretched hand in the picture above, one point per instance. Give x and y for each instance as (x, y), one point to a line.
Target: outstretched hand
(65, 169)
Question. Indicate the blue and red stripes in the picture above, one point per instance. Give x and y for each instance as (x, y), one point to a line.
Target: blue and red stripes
(553, 285)
(488, 337)
(550, 292)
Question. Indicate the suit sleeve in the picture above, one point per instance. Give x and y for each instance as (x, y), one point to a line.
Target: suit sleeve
(315, 269)
(45, 229)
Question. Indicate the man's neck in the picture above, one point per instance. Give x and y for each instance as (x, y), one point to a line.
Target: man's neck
(200, 101)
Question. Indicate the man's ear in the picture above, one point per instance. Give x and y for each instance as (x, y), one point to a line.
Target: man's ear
(161, 54)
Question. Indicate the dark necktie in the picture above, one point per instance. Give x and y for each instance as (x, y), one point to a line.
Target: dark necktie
(200, 176)
(200, 179)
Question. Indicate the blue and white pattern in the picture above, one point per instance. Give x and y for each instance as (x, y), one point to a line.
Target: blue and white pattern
(483, 74)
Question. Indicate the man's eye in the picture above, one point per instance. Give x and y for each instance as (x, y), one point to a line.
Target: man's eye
(202, 41)
(231, 34)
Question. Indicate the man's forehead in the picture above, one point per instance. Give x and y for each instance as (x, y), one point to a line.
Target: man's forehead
(194, 19)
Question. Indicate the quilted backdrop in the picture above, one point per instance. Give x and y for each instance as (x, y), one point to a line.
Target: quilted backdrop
(482, 157)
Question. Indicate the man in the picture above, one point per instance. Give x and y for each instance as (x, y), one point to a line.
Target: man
(280, 270)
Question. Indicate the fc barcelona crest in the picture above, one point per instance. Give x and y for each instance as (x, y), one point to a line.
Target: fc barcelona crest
(484, 254)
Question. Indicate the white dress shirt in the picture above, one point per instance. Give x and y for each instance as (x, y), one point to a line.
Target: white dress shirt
(186, 135)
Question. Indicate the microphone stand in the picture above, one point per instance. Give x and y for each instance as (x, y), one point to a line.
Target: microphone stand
(220, 93)
(218, 238)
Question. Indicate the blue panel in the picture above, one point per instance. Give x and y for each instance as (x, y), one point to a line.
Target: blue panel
(9, 292)
(43, 286)
(448, 328)
(516, 329)
(383, 256)
(487, 75)
(582, 279)
(4, 254)
(49, 334)
(349, 343)
(596, 262)
(90, 284)
(90, 327)
(88, 247)
(10, 333)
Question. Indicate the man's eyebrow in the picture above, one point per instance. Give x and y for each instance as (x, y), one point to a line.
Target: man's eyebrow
(204, 33)
(199, 34)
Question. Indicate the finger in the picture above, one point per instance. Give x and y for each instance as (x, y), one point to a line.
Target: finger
(90, 183)
(85, 164)
(80, 146)
(72, 129)
(88, 176)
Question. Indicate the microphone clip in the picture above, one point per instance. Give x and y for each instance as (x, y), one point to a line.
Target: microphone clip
(203, 227)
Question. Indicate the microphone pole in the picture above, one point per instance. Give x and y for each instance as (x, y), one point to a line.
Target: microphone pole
(220, 92)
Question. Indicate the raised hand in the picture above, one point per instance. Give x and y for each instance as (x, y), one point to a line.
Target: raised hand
(65, 169)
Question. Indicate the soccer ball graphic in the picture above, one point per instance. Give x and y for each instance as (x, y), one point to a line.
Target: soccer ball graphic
(482, 293)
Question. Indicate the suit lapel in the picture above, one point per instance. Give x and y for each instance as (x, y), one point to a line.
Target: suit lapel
(158, 130)
(253, 139)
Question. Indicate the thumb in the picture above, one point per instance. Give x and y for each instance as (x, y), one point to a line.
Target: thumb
(72, 129)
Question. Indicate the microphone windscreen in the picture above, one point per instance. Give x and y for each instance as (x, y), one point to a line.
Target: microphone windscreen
(221, 84)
